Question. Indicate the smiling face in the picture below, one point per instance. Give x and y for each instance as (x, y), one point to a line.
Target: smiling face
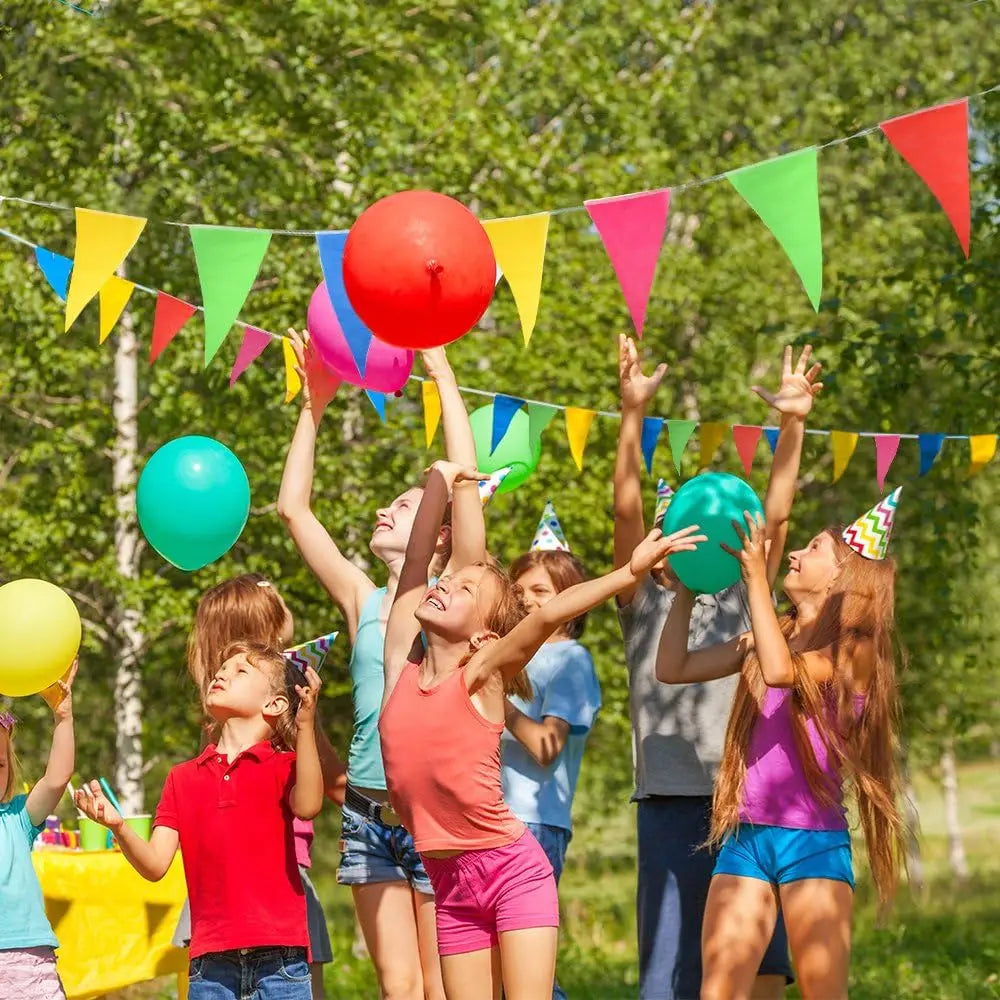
(457, 606)
(537, 586)
(393, 525)
(242, 690)
(812, 570)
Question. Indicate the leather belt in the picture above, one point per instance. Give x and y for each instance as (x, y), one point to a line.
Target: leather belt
(370, 809)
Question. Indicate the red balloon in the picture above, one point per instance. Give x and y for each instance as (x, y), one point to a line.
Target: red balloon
(419, 269)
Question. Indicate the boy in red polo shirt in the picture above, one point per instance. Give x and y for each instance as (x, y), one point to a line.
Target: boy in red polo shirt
(230, 810)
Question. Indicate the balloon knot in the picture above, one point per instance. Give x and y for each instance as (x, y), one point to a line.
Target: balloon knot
(434, 267)
(398, 394)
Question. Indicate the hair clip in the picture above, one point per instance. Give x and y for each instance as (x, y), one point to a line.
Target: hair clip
(7, 721)
(263, 583)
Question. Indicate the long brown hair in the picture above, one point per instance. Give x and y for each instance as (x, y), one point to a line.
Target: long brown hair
(863, 745)
(507, 610)
(563, 569)
(246, 607)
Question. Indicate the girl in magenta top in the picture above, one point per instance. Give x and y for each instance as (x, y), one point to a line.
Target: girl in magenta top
(816, 704)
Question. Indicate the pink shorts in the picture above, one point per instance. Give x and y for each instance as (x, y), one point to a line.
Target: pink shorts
(30, 972)
(480, 894)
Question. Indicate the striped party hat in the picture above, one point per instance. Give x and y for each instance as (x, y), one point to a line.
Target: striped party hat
(549, 537)
(664, 494)
(869, 534)
(488, 487)
(312, 653)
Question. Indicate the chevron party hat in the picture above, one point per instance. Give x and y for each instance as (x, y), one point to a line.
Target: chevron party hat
(312, 653)
(549, 536)
(869, 534)
(664, 494)
(488, 487)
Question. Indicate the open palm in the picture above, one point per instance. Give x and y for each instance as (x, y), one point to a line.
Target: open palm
(636, 389)
(798, 386)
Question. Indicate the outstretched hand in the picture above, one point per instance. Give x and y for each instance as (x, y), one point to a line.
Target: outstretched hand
(436, 364)
(798, 387)
(752, 557)
(636, 389)
(59, 696)
(308, 696)
(319, 384)
(93, 803)
(656, 546)
(455, 474)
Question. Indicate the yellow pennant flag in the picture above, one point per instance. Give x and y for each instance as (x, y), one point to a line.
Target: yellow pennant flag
(519, 247)
(432, 409)
(577, 428)
(103, 241)
(844, 443)
(293, 384)
(983, 447)
(710, 436)
(114, 296)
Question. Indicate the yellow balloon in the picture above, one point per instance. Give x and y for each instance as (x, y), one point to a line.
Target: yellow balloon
(41, 632)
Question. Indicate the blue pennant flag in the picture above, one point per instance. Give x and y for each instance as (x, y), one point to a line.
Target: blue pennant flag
(771, 433)
(930, 446)
(56, 269)
(504, 408)
(651, 427)
(331, 259)
(378, 401)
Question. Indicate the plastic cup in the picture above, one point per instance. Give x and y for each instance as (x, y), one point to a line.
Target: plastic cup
(141, 824)
(93, 836)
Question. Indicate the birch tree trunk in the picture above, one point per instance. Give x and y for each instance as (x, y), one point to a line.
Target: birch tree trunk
(952, 823)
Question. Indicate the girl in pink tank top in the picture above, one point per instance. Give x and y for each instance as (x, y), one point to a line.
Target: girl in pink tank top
(442, 716)
(816, 704)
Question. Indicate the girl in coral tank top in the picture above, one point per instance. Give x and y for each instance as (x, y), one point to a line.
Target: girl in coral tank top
(442, 717)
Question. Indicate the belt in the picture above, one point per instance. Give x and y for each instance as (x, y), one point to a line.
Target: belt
(369, 808)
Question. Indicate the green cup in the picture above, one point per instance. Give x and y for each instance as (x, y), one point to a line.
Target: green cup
(141, 824)
(93, 836)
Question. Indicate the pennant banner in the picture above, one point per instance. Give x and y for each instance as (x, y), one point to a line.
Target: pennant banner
(539, 417)
(886, 446)
(331, 259)
(679, 433)
(631, 228)
(844, 443)
(504, 408)
(293, 384)
(577, 428)
(56, 269)
(432, 409)
(171, 314)
(930, 446)
(745, 438)
(651, 427)
(254, 342)
(378, 401)
(982, 447)
(519, 247)
(710, 436)
(113, 297)
(784, 192)
(771, 433)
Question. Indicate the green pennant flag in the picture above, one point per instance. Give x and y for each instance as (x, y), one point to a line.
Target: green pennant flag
(679, 433)
(228, 260)
(784, 192)
(539, 417)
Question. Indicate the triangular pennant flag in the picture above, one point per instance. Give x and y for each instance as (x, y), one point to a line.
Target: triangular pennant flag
(293, 384)
(504, 408)
(539, 417)
(488, 487)
(784, 192)
(710, 436)
(679, 433)
(331, 260)
(577, 428)
(103, 241)
(631, 227)
(56, 269)
(254, 342)
(378, 401)
(664, 494)
(651, 427)
(745, 438)
(519, 247)
(171, 314)
(844, 443)
(228, 260)
(930, 446)
(983, 447)
(549, 535)
(771, 433)
(935, 142)
(114, 296)
(886, 446)
(432, 409)
(869, 534)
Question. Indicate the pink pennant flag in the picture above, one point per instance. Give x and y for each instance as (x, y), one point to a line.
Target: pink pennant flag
(631, 227)
(886, 446)
(254, 342)
(745, 438)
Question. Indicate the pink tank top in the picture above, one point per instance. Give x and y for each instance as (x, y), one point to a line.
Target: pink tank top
(303, 833)
(442, 766)
(776, 792)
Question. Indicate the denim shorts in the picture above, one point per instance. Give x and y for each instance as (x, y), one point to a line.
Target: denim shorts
(373, 852)
(779, 854)
(251, 974)
(554, 840)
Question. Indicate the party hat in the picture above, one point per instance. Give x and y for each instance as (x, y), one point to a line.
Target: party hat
(549, 537)
(488, 487)
(664, 494)
(869, 534)
(312, 653)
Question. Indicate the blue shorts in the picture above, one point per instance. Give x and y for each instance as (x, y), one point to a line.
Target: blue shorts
(373, 852)
(779, 855)
(554, 841)
(269, 973)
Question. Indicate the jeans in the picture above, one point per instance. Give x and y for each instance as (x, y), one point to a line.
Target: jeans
(251, 974)
(554, 841)
(373, 852)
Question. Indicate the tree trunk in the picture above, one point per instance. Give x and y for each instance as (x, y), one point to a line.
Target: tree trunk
(952, 823)
(128, 681)
(911, 826)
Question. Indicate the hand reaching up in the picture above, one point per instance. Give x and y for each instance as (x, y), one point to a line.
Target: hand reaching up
(656, 546)
(319, 384)
(636, 389)
(798, 387)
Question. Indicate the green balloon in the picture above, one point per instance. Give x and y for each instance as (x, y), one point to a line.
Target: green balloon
(192, 501)
(516, 449)
(713, 501)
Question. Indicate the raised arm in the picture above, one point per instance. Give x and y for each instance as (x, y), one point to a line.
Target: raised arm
(459, 444)
(45, 796)
(347, 585)
(636, 392)
(793, 401)
(306, 797)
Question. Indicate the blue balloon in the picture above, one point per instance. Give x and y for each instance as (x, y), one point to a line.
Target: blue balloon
(713, 501)
(193, 501)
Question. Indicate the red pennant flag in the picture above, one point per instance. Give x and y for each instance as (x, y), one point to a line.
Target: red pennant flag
(254, 342)
(745, 439)
(171, 314)
(935, 142)
(632, 227)
(886, 446)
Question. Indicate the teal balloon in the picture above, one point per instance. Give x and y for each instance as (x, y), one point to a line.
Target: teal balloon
(713, 501)
(517, 448)
(193, 501)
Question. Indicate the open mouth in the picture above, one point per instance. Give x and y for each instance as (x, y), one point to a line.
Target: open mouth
(434, 603)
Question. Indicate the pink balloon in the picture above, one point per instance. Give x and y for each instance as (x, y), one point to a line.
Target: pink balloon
(386, 368)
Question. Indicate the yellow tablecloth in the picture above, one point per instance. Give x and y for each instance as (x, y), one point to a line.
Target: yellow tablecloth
(114, 927)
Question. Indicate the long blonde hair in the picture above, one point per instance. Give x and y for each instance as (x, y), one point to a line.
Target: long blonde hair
(13, 766)
(863, 745)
